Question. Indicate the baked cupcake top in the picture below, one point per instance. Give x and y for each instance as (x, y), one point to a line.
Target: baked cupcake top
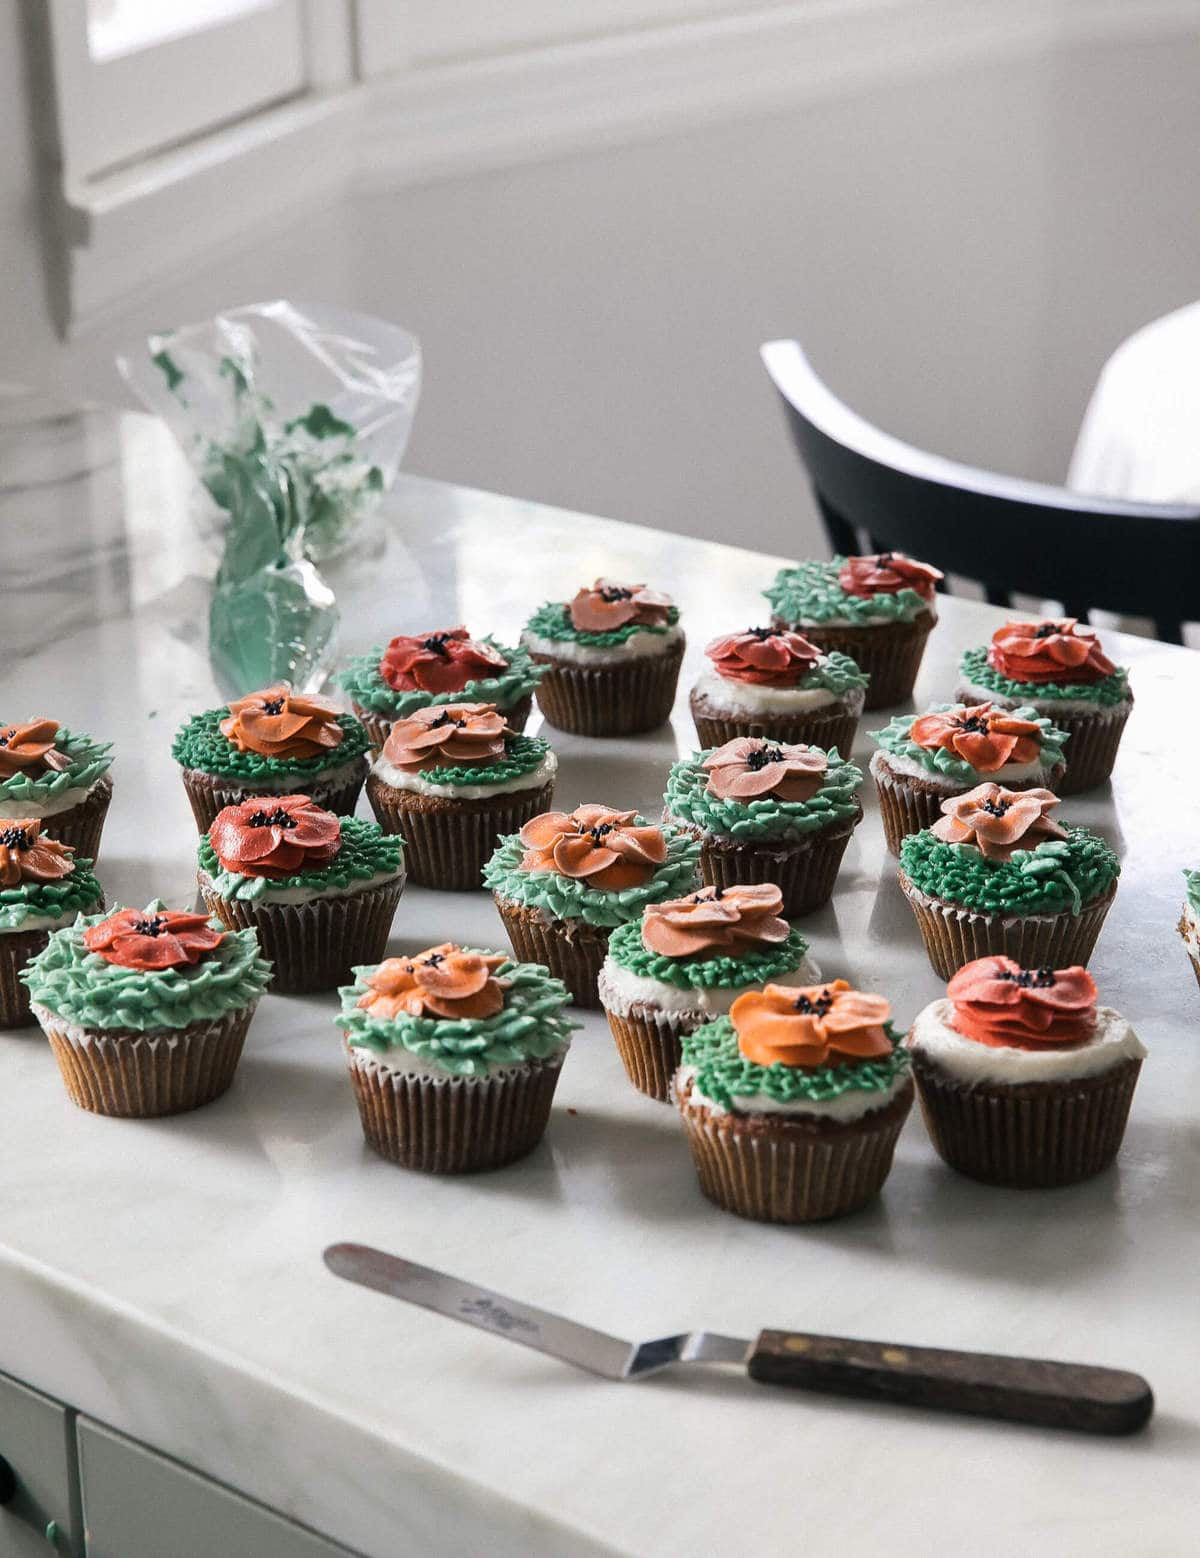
(594, 864)
(146, 968)
(41, 881)
(46, 768)
(605, 615)
(999, 851)
(445, 665)
(969, 742)
(285, 849)
(754, 788)
(274, 734)
(1055, 660)
(462, 748)
(785, 1048)
(778, 657)
(853, 591)
(457, 1011)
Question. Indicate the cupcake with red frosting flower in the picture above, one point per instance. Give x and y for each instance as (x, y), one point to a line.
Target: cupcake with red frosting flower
(1060, 670)
(878, 609)
(1024, 1079)
(319, 890)
(774, 683)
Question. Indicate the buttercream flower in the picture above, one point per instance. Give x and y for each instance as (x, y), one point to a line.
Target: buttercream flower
(999, 1003)
(27, 855)
(151, 939)
(986, 738)
(818, 1025)
(439, 662)
(446, 735)
(732, 920)
(278, 722)
(1058, 650)
(766, 657)
(996, 821)
(443, 981)
(886, 573)
(607, 849)
(750, 767)
(608, 605)
(274, 836)
(30, 748)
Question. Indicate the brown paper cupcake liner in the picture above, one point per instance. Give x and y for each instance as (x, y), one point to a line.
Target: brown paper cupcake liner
(804, 871)
(786, 1169)
(82, 825)
(824, 728)
(455, 1125)
(209, 794)
(909, 805)
(890, 654)
(650, 1046)
(16, 950)
(314, 945)
(621, 699)
(1091, 749)
(379, 726)
(572, 950)
(1032, 1136)
(126, 1074)
(955, 936)
(448, 842)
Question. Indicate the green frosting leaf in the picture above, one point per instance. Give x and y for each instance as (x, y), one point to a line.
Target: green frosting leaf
(1192, 878)
(366, 851)
(361, 679)
(809, 593)
(522, 755)
(1111, 690)
(894, 738)
(531, 1025)
(553, 620)
(1060, 874)
(688, 799)
(717, 972)
(82, 988)
(200, 744)
(722, 1071)
(34, 900)
(89, 760)
(568, 898)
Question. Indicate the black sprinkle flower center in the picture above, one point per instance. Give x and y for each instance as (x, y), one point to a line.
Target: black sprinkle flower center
(597, 833)
(155, 926)
(434, 959)
(272, 705)
(436, 644)
(446, 719)
(996, 808)
(974, 723)
(273, 819)
(810, 1008)
(615, 592)
(7, 736)
(762, 634)
(15, 838)
(1048, 630)
(761, 756)
(1030, 978)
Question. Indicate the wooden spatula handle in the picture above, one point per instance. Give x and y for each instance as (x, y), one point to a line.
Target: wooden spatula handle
(1026, 1390)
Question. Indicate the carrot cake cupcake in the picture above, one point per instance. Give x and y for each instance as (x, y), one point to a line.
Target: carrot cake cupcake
(58, 776)
(792, 1104)
(610, 659)
(772, 682)
(1189, 920)
(273, 742)
(996, 874)
(452, 778)
(43, 886)
(454, 1055)
(878, 609)
(1058, 669)
(1023, 1079)
(566, 880)
(949, 750)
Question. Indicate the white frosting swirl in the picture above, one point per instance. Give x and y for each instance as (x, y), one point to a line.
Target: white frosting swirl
(1112, 1041)
(620, 989)
(398, 779)
(636, 646)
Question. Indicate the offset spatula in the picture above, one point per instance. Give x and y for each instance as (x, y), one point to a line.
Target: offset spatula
(1025, 1390)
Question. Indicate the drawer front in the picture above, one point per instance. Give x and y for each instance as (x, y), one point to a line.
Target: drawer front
(137, 1504)
(36, 1442)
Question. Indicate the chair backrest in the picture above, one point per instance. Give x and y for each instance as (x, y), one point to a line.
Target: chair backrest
(1140, 559)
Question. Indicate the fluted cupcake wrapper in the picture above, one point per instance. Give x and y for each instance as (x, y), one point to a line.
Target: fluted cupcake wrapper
(955, 936)
(889, 653)
(1032, 1136)
(1184, 930)
(1093, 739)
(126, 1074)
(908, 808)
(824, 728)
(81, 826)
(610, 700)
(453, 1125)
(650, 1046)
(313, 945)
(447, 843)
(804, 871)
(379, 726)
(784, 1169)
(571, 949)
(209, 794)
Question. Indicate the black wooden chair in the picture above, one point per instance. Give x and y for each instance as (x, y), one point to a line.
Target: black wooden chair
(877, 494)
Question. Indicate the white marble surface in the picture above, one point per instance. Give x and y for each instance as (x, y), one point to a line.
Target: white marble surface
(166, 1276)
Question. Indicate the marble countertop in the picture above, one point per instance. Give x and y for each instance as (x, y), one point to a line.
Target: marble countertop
(166, 1277)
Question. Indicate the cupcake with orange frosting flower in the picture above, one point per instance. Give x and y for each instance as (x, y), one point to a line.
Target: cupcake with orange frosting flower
(1058, 669)
(793, 1102)
(274, 741)
(43, 886)
(454, 1055)
(950, 749)
(610, 658)
(452, 778)
(58, 777)
(997, 874)
(1023, 1078)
